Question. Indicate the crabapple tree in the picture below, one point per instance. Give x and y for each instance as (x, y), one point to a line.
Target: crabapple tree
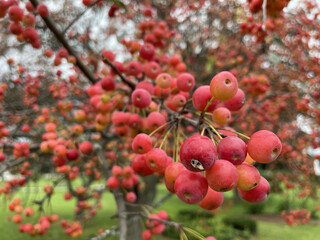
(122, 93)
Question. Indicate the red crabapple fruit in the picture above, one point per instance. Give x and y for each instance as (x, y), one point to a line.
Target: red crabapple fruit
(185, 82)
(223, 176)
(147, 51)
(257, 194)
(139, 165)
(141, 143)
(198, 153)
(156, 159)
(43, 10)
(236, 102)
(232, 149)
(201, 97)
(212, 200)
(141, 98)
(191, 187)
(108, 83)
(264, 146)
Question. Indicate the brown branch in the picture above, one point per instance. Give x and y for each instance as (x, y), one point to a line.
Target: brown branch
(132, 85)
(51, 25)
(9, 164)
(162, 200)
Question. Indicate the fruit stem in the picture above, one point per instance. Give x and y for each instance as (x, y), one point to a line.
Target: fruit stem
(162, 126)
(202, 132)
(240, 134)
(210, 124)
(212, 139)
(165, 138)
(208, 104)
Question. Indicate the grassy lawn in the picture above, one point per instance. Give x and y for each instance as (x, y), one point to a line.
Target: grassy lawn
(9, 230)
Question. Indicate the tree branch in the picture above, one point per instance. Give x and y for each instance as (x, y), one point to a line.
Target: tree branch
(125, 80)
(51, 25)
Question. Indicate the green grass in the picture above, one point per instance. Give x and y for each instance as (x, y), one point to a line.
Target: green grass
(274, 231)
(65, 210)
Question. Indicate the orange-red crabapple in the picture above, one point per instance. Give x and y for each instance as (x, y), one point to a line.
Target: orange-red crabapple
(221, 116)
(164, 80)
(249, 176)
(264, 146)
(224, 86)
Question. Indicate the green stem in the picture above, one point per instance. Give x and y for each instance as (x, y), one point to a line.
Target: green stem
(210, 124)
(240, 134)
(162, 126)
(208, 104)
(164, 139)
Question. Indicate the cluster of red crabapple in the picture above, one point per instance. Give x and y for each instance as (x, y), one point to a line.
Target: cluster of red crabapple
(221, 158)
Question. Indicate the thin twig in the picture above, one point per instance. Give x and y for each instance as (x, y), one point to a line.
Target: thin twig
(51, 25)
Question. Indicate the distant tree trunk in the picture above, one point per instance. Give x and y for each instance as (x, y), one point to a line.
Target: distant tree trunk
(147, 196)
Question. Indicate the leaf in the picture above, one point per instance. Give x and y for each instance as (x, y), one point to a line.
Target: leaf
(278, 41)
(183, 235)
(119, 4)
(194, 233)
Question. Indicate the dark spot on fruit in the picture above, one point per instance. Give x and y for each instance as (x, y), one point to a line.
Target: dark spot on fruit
(227, 81)
(236, 157)
(187, 195)
(152, 163)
